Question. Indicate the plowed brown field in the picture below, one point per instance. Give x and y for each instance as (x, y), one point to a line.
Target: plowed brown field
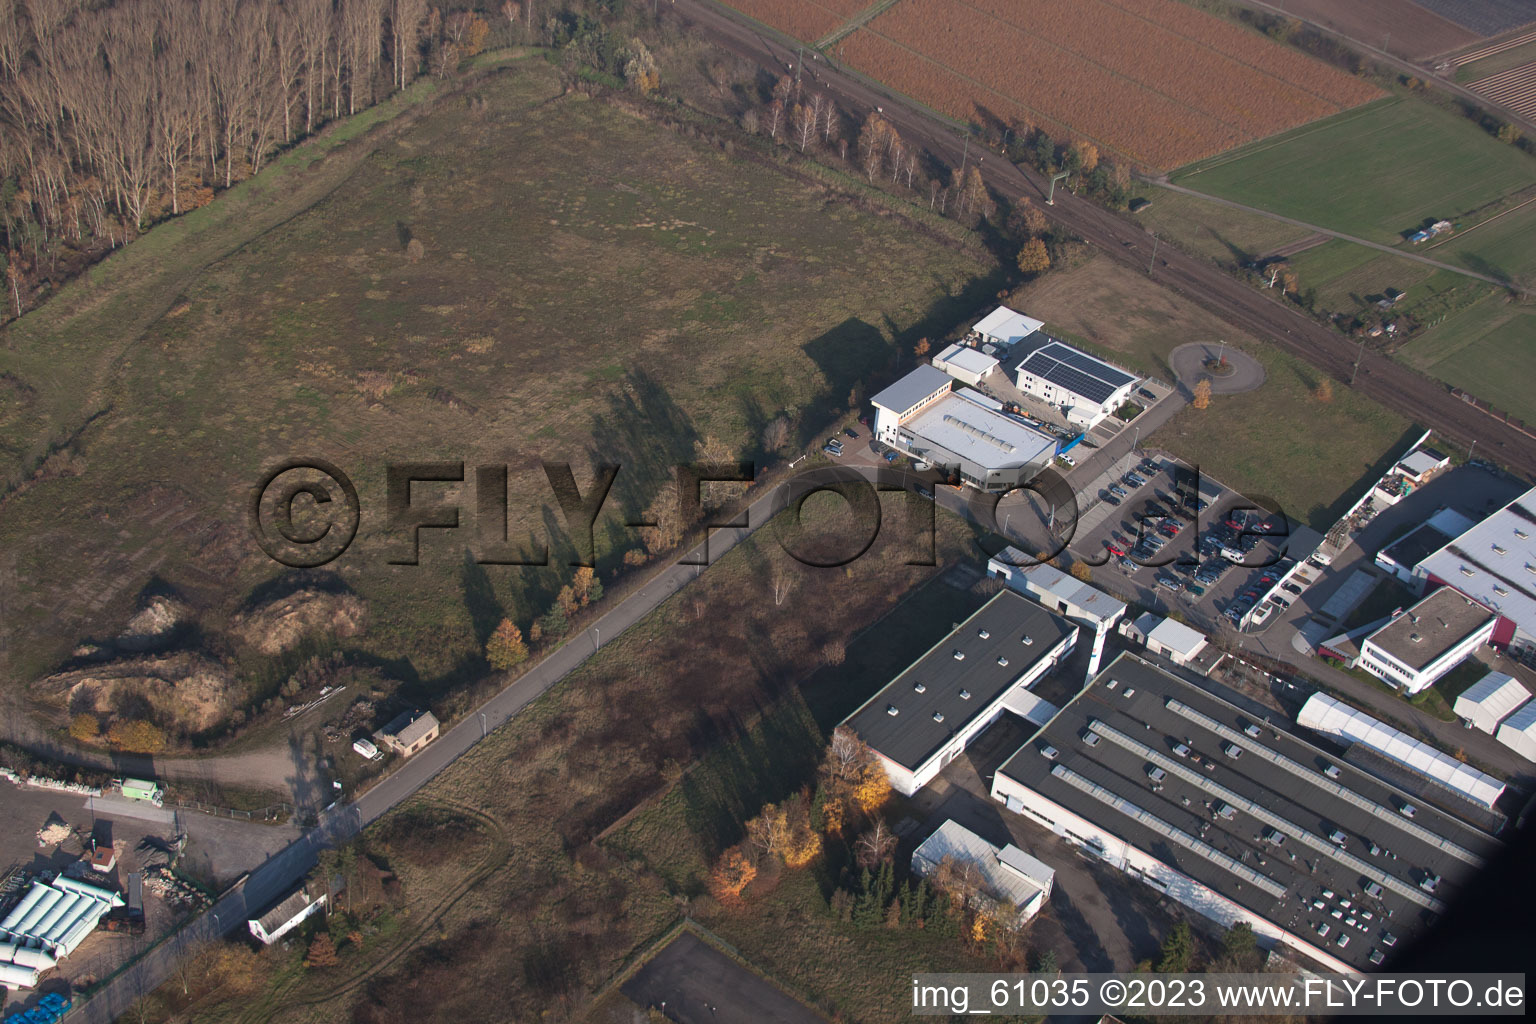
(1154, 81)
(807, 20)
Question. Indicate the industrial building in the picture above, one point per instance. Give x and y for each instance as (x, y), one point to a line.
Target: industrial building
(289, 913)
(1518, 732)
(1494, 564)
(1008, 877)
(1168, 637)
(962, 432)
(1061, 592)
(1489, 701)
(1238, 818)
(1402, 557)
(1004, 327)
(1349, 725)
(1084, 388)
(49, 924)
(966, 365)
(924, 718)
(1420, 645)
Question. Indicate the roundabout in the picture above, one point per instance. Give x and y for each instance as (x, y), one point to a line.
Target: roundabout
(1229, 370)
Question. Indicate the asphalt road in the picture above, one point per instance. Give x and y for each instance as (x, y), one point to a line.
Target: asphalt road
(280, 873)
(1421, 399)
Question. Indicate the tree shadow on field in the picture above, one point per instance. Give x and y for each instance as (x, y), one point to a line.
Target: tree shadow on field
(761, 765)
(480, 600)
(647, 434)
(846, 355)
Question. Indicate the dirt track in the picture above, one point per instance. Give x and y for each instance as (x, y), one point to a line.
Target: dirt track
(1419, 398)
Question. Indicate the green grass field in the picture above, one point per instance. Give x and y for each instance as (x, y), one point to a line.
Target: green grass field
(523, 276)
(1219, 233)
(1375, 172)
(1283, 443)
(1501, 246)
(1488, 352)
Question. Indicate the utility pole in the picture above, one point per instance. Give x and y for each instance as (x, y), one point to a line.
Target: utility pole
(1050, 197)
(965, 153)
(1471, 450)
(1153, 260)
(1359, 355)
(798, 61)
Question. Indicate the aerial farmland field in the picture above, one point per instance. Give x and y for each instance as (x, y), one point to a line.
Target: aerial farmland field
(1400, 26)
(1377, 172)
(806, 20)
(1153, 81)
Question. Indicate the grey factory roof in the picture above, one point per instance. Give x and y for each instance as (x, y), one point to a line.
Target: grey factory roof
(959, 690)
(1429, 629)
(1141, 713)
(963, 423)
(912, 389)
(1495, 562)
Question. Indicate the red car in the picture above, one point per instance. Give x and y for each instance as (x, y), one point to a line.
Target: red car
(1115, 549)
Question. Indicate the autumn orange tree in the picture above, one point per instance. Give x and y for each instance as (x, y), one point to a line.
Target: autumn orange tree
(1202, 393)
(1033, 258)
(732, 873)
(506, 648)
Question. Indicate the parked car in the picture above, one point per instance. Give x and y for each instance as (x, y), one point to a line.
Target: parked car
(1291, 588)
(836, 453)
(1148, 394)
(1170, 582)
(1118, 491)
(1129, 564)
(864, 420)
(890, 456)
(1067, 459)
(1132, 480)
(850, 432)
(1110, 499)
(1116, 550)
(1195, 590)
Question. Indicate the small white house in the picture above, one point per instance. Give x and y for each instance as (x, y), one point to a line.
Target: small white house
(1005, 327)
(967, 365)
(1008, 877)
(1173, 640)
(286, 916)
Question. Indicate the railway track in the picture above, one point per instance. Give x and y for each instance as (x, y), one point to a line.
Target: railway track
(1418, 398)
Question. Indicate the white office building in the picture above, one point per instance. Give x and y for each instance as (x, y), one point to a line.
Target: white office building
(1083, 387)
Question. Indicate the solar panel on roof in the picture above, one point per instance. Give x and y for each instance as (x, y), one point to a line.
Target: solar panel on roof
(1077, 381)
(1089, 365)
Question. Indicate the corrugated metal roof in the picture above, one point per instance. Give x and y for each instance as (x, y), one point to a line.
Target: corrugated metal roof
(1007, 325)
(1494, 562)
(1518, 732)
(1324, 714)
(1489, 701)
(913, 388)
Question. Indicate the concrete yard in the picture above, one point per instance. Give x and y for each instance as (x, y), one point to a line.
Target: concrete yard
(691, 982)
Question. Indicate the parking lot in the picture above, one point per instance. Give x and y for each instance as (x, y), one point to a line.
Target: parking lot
(1174, 541)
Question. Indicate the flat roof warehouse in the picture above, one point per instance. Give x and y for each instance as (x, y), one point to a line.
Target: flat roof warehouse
(1209, 815)
(956, 690)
